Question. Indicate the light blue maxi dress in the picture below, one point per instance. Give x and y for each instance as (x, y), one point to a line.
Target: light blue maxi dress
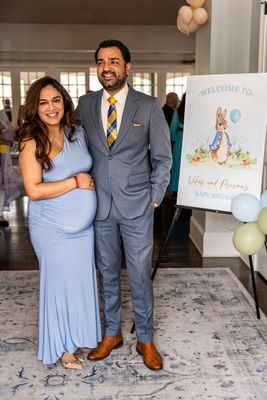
(62, 233)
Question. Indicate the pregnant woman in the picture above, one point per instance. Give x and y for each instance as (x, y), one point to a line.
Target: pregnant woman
(54, 161)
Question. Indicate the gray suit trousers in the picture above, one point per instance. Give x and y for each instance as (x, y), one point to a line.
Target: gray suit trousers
(137, 237)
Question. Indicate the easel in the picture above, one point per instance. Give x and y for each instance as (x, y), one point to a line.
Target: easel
(156, 266)
(254, 287)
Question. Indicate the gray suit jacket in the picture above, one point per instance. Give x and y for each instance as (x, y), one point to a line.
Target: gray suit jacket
(125, 172)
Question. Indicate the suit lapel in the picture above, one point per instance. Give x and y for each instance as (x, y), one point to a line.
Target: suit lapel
(97, 118)
(129, 112)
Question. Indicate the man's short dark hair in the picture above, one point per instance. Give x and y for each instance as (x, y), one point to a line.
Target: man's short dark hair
(114, 43)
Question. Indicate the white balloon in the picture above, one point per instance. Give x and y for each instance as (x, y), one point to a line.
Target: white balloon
(196, 3)
(200, 16)
(184, 28)
(186, 14)
(246, 207)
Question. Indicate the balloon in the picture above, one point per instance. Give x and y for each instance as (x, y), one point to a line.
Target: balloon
(262, 221)
(200, 16)
(248, 239)
(184, 28)
(245, 207)
(193, 26)
(235, 115)
(196, 3)
(264, 199)
(186, 14)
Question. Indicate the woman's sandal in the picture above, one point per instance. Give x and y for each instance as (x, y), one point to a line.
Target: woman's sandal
(77, 364)
(79, 355)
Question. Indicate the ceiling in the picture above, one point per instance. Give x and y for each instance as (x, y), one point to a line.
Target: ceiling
(115, 12)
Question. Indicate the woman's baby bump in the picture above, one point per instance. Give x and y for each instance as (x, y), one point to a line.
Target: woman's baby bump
(71, 212)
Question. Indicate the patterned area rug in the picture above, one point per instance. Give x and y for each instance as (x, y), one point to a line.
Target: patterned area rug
(206, 328)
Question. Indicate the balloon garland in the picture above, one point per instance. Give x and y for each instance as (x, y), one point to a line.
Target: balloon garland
(192, 16)
(250, 235)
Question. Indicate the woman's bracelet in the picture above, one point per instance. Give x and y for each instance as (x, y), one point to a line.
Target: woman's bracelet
(76, 181)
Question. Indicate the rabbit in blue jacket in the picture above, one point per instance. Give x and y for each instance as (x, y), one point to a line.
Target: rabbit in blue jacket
(221, 143)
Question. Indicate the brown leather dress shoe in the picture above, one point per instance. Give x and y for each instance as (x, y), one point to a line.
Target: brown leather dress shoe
(105, 347)
(152, 358)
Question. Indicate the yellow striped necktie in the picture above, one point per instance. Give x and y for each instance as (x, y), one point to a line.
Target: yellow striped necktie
(112, 122)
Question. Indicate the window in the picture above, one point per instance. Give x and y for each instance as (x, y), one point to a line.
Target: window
(146, 82)
(5, 88)
(176, 82)
(94, 83)
(26, 79)
(74, 83)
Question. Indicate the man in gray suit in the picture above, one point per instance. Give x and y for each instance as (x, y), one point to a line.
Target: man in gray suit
(122, 126)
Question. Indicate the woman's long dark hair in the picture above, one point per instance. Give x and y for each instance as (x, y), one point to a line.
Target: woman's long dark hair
(31, 127)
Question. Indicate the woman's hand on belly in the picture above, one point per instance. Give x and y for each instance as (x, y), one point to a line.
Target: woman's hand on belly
(85, 181)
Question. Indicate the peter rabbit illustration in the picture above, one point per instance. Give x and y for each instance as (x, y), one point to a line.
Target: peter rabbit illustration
(221, 143)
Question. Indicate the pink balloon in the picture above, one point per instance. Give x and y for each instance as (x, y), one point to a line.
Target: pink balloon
(186, 14)
(196, 3)
(184, 28)
(200, 16)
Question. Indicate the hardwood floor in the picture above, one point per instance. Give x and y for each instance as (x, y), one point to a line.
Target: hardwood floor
(16, 252)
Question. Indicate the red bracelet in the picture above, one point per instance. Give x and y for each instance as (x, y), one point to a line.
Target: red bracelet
(76, 181)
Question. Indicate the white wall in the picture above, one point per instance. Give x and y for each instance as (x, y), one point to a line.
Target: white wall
(229, 43)
(161, 42)
(54, 48)
(230, 36)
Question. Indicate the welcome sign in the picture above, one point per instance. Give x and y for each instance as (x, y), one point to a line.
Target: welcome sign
(223, 140)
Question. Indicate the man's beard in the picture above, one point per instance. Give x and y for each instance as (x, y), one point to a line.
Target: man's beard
(118, 83)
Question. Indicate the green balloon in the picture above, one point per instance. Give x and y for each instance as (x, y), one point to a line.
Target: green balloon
(248, 239)
(262, 221)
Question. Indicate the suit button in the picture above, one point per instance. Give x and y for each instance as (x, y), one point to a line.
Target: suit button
(110, 157)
